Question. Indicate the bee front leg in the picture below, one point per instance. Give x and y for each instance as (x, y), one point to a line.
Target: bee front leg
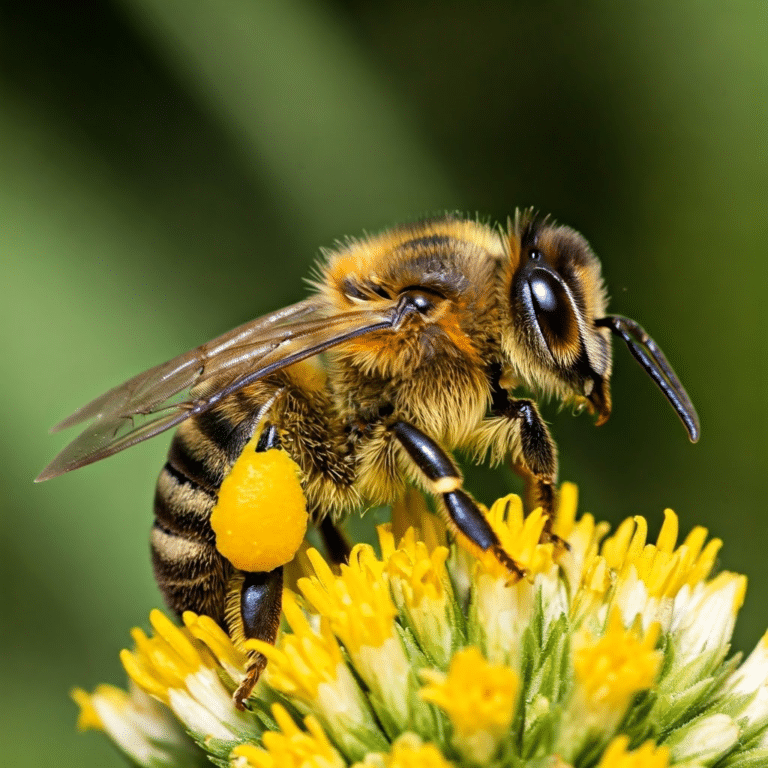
(444, 480)
(261, 599)
(536, 459)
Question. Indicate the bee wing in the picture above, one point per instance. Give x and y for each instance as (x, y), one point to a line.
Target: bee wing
(167, 394)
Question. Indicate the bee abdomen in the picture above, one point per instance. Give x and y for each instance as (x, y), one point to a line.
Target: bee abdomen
(182, 506)
(191, 573)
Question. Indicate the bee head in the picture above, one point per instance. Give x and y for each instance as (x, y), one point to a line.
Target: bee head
(555, 294)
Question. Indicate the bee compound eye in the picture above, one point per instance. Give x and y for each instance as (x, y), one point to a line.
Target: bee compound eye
(422, 303)
(551, 304)
(543, 292)
(416, 300)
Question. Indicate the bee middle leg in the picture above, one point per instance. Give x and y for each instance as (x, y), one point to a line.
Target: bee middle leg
(445, 480)
(536, 462)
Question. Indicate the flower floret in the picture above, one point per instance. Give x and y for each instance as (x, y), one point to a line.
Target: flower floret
(478, 697)
(290, 747)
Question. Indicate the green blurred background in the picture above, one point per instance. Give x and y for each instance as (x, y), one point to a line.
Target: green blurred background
(169, 169)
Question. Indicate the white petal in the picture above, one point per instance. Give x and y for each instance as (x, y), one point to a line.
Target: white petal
(706, 740)
(197, 718)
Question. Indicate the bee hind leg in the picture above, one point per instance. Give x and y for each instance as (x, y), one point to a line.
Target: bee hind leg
(462, 513)
(260, 603)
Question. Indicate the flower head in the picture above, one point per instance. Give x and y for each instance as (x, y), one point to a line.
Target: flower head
(611, 654)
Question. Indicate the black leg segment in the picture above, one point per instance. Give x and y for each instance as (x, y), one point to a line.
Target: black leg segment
(463, 514)
(260, 604)
(428, 456)
(268, 439)
(336, 544)
(469, 520)
(261, 600)
(537, 459)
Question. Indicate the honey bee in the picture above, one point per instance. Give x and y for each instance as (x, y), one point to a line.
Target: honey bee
(427, 329)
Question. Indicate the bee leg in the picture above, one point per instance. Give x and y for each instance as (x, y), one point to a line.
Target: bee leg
(336, 545)
(261, 599)
(536, 462)
(445, 480)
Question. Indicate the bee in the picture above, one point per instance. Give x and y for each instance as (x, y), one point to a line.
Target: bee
(428, 330)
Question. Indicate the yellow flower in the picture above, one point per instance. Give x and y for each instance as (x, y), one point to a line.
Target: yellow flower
(421, 588)
(357, 603)
(479, 699)
(421, 572)
(662, 568)
(609, 669)
(290, 747)
(612, 668)
(305, 659)
(309, 667)
(588, 576)
(615, 633)
(144, 729)
(360, 611)
(519, 536)
(500, 609)
(182, 673)
(203, 628)
(647, 756)
(407, 752)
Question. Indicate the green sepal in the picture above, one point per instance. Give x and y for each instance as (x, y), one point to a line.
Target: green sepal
(750, 758)
(639, 723)
(541, 728)
(686, 691)
(222, 763)
(217, 748)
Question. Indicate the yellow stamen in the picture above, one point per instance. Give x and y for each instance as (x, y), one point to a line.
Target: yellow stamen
(477, 696)
(663, 569)
(647, 756)
(567, 505)
(357, 603)
(88, 719)
(291, 747)
(519, 538)
(207, 631)
(408, 752)
(304, 659)
(163, 661)
(612, 668)
(420, 573)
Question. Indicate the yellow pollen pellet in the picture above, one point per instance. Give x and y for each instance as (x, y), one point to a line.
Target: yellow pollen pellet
(261, 516)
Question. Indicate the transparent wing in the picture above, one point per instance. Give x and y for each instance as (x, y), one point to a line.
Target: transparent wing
(167, 394)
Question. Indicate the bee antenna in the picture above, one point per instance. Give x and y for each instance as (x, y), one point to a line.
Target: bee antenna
(645, 350)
